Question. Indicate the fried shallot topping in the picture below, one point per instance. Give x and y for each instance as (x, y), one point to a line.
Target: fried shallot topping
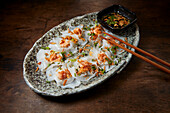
(64, 43)
(64, 74)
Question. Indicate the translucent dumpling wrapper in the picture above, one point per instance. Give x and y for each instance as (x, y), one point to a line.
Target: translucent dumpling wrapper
(116, 50)
(85, 76)
(41, 58)
(53, 73)
(77, 55)
(55, 45)
(103, 63)
(82, 38)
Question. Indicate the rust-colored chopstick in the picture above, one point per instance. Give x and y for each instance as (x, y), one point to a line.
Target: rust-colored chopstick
(140, 50)
(138, 55)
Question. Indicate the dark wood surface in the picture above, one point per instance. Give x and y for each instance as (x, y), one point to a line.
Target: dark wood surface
(139, 88)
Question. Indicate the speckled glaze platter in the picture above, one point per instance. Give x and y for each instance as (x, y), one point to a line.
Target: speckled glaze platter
(37, 81)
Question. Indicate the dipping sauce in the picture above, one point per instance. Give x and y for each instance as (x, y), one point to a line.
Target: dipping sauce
(116, 20)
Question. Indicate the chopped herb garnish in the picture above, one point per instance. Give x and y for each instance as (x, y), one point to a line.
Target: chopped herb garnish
(113, 51)
(84, 28)
(102, 70)
(95, 44)
(104, 35)
(119, 60)
(115, 63)
(100, 46)
(112, 57)
(92, 34)
(59, 68)
(45, 48)
(63, 52)
(79, 74)
(83, 54)
(110, 62)
(63, 56)
(71, 53)
(107, 59)
(112, 17)
(108, 21)
(72, 60)
(78, 44)
(74, 74)
(93, 67)
(113, 47)
(76, 70)
(88, 28)
(49, 65)
(90, 25)
(72, 39)
(47, 81)
(108, 49)
(93, 60)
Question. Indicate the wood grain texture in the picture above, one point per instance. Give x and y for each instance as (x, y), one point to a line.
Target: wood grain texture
(139, 88)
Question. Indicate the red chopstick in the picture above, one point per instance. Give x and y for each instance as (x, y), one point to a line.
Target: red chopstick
(138, 55)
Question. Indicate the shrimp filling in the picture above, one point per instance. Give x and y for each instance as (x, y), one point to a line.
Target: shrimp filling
(71, 38)
(64, 43)
(98, 30)
(103, 57)
(85, 66)
(78, 32)
(64, 74)
(54, 57)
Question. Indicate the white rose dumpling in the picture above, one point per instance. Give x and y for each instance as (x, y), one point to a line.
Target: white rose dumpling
(77, 55)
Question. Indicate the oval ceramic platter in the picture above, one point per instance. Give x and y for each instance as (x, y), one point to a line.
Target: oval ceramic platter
(37, 80)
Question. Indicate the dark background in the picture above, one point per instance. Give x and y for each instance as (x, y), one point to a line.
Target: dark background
(139, 88)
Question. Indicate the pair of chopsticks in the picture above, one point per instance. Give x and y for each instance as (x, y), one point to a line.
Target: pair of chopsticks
(138, 55)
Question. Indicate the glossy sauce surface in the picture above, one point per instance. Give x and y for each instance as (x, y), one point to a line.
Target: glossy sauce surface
(116, 20)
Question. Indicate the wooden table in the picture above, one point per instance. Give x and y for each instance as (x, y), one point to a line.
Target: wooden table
(139, 88)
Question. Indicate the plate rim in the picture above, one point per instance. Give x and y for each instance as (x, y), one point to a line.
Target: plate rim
(118, 70)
